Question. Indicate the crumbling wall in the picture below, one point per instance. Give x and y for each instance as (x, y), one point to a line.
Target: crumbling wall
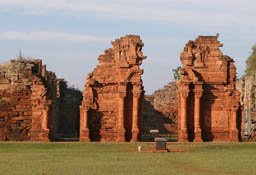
(246, 85)
(28, 101)
(112, 99)
(209, 108)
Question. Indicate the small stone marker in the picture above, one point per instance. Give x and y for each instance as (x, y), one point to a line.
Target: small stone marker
(160, 144)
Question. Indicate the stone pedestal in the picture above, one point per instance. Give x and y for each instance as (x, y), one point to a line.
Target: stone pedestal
(40, 135)
(183, 135)
(84, 135)
(84, 131)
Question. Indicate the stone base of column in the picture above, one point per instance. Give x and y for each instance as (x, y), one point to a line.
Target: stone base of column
(135, 135)
(183, 135)
(40, 135)
(121, 135)
(198, 135)
(234, 135)
(84, 135)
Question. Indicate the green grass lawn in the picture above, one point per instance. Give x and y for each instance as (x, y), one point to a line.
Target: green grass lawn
(25, 158)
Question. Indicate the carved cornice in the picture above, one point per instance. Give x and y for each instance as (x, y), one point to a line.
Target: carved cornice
(122, 94)
(86, 108)
(184, 93)
(136, 93)
(198, 93)
(234, 108)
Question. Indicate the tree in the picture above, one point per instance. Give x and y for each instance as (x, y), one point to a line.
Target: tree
(176, 74)
(251, 62)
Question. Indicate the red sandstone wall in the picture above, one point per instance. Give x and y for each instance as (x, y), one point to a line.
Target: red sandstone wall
(111, 107)
(207, 76)
(28, 101)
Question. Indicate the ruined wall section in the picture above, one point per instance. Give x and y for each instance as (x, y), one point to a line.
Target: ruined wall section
(246, 86)
(112, 99)
(208, 101)
(29, 93)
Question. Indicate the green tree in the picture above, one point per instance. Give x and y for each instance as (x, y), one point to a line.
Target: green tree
(251, 62)
(176, 74)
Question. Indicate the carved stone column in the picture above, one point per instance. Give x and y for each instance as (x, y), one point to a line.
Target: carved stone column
(183, 135)
(84, 131)
(120, 123)
(233, 125)
(135, 115)
(197, 108)
(44, 123)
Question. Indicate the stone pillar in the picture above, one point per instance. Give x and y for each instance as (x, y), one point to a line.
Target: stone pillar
(183, 135)
(43, 135)
(135, 116)
(84, 131)
(44, 122)
(120, 123)
(197, 108)
(233, 125)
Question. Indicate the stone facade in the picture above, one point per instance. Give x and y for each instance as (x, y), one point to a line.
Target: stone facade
(112, 100)
(28, 99)
(209, 105)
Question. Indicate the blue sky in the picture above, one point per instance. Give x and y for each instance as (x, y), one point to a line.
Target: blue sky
(69, 35)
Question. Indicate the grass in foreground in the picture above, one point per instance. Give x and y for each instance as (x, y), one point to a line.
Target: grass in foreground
(25, 158)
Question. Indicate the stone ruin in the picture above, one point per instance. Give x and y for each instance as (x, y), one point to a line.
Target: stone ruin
(111, 109)
(28, 100)
(209, 108)
(34, 104)
(246, 85)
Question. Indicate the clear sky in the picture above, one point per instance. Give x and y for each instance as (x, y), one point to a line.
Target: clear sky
(69, 35)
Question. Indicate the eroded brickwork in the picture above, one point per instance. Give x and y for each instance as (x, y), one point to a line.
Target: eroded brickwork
(28, 101)
(112, 100)
(208, 102)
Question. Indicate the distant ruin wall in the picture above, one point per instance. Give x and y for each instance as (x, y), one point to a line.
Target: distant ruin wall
(160, 111)
(246, 85)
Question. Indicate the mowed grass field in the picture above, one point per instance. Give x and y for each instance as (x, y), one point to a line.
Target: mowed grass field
(25, 158)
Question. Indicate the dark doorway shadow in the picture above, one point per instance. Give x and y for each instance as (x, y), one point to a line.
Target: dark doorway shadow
(206, 103)
(156, 120)
(69, 113)
(94, 120)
